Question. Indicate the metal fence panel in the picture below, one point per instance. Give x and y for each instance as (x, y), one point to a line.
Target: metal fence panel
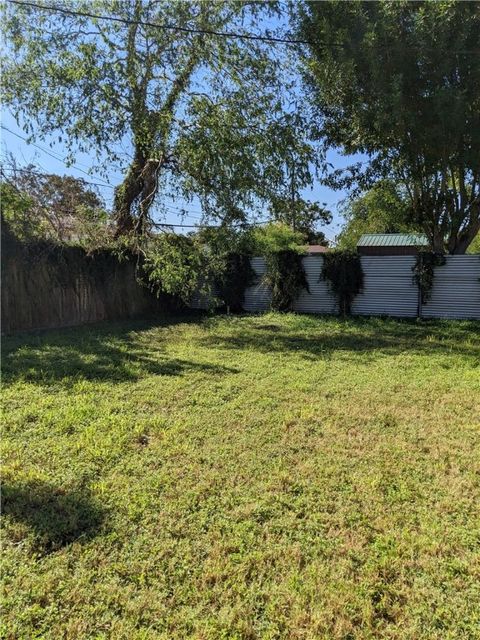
(456, 289)
(319, 300)
(258, 297)
(388, 287)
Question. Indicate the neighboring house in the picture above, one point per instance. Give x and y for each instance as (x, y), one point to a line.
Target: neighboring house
(391, 244)
(313, 249)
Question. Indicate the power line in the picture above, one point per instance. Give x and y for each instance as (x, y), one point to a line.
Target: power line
(191, 30)
(178, 211)
(14, 170)
(167, 27)
(208, 226)
(45, 172)
(54, 156)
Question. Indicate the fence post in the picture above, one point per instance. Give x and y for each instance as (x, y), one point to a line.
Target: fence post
(419, 292)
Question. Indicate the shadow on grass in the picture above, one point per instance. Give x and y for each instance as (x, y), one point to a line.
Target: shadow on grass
(56, 517)
(113, 353)
(318, 337)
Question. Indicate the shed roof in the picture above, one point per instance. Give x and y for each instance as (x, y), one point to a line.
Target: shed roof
(392, 240)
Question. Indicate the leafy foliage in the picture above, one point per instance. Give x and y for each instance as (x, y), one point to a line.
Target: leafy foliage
(175, 265)
(44, 206)
(235, 277)
(15, 206)
(201, 115)
(344, 274)
(474, 248)
(303, 216)
(286, 278)
(424, 272)
(382, 209)
(282, 248)
(400, 82)
(275, 237)
(214, 263)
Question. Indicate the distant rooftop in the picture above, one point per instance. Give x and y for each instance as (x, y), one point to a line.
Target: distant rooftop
(392, 240)
(316, 248)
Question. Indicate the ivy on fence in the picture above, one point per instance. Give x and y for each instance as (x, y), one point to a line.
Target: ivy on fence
(344, 274)
(236, 276)
(424, 272)
(286, 278)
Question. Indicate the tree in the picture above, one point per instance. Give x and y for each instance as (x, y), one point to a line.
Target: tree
(400, 82)
(203, 114)
(382, 209)
(302, 216)
(48, 206)
(14, 208)
(276, 237)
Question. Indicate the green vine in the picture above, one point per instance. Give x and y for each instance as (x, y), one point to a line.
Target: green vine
(344, 274)
(236, 276)
(424, 272)
(286, 278)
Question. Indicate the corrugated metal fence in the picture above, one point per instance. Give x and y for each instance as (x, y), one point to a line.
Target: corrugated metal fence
(389, 289)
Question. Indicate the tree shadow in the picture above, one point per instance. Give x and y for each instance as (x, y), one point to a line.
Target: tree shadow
(55, 516)
(114, 353)
(324, 337)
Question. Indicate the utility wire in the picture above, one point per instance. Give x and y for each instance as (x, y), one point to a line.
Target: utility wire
(179, 211)
(211, 32)
(167, 27)
(53, 155)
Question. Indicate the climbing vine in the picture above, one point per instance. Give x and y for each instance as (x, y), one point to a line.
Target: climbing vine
(236, 275)
(424, 272)
(286, 278)
(344, 274)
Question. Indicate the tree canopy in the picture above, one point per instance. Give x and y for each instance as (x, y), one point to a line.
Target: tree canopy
(45, 206)
(382, 209)
(400, 82)
(198, 114)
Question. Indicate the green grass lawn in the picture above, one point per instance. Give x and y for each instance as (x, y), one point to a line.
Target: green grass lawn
(275, 476)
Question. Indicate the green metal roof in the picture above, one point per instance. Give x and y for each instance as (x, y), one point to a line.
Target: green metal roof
(392, 240)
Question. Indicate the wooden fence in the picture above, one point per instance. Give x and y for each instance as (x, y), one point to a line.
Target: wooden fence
(45, 287)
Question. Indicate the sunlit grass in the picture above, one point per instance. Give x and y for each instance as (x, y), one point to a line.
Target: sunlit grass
(249, 477)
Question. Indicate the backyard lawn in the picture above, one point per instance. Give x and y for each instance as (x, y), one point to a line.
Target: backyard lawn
(275, 476)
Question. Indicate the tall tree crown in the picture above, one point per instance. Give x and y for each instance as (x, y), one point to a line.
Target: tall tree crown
(197, 112)
(400, 81)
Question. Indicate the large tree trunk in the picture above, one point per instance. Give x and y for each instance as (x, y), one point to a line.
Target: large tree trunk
(437, 241)
(125, 196)
(466, 237)
(134, 197)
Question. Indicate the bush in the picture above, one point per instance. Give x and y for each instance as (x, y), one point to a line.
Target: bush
(276, 237)
(175, 265)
